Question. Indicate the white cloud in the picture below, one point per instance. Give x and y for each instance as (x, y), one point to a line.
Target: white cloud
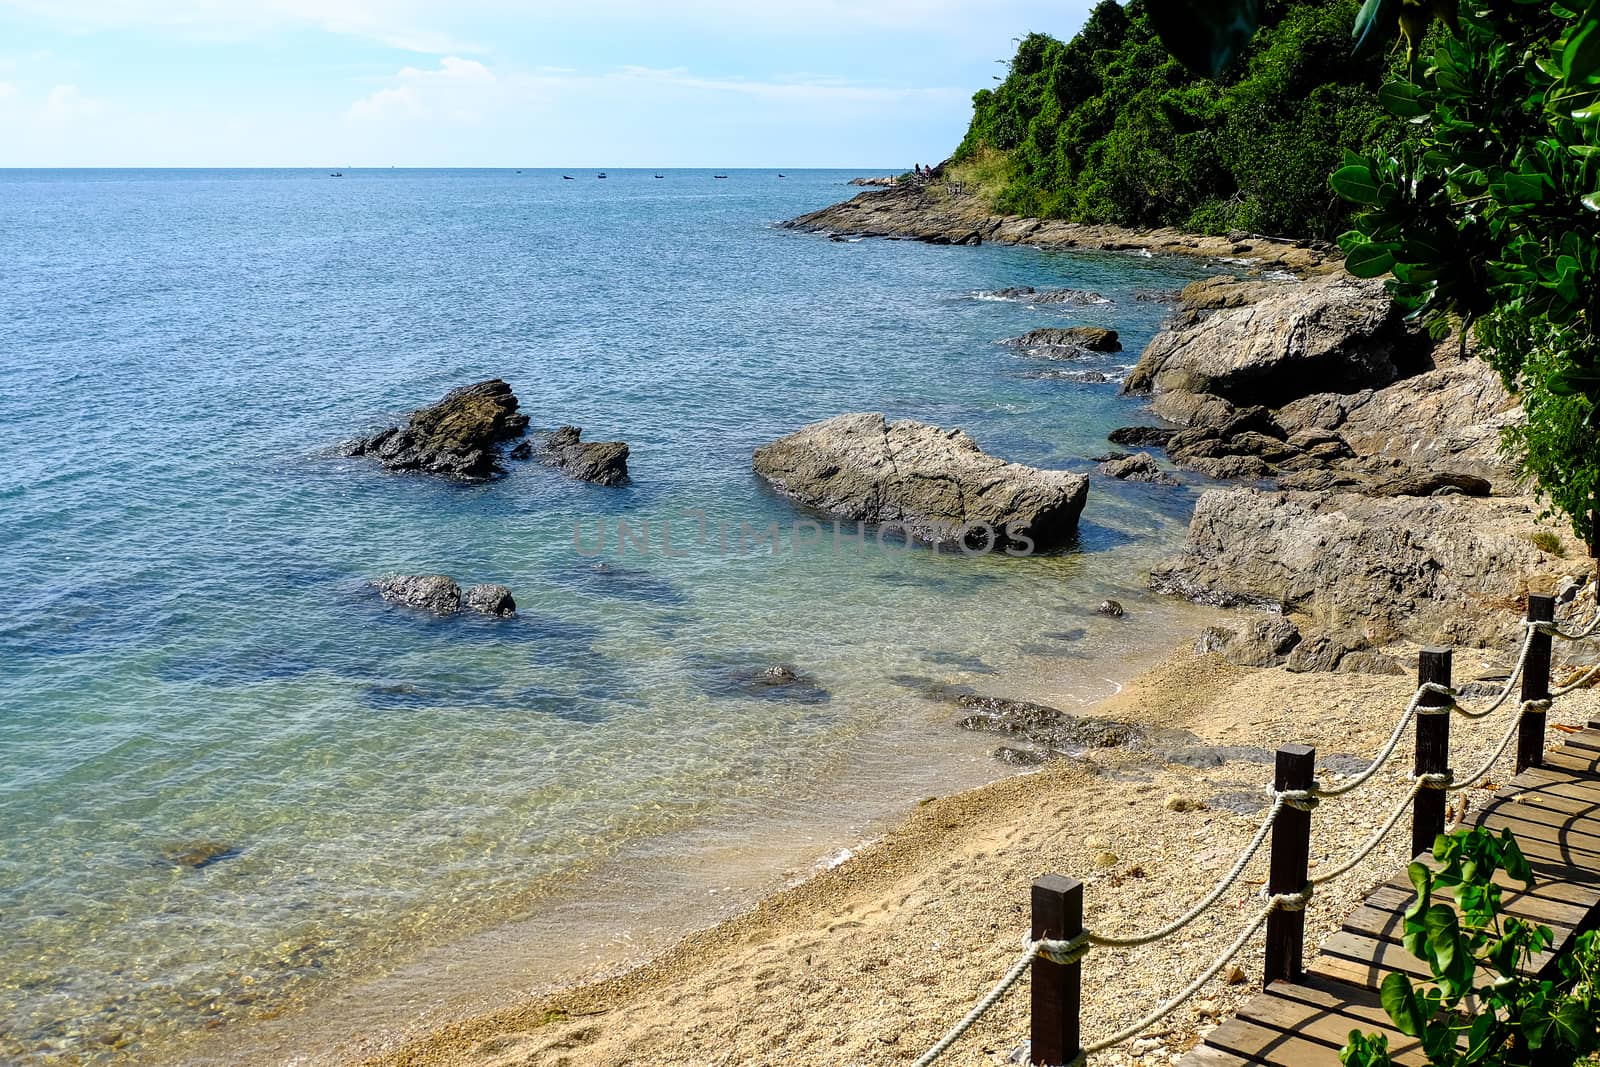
(792, 87)
(66, 103)
(459, 90)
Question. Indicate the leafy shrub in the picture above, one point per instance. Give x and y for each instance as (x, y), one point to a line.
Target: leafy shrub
(1108, 127)
(1476, 951)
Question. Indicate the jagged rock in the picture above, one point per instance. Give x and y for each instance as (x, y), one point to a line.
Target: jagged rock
(1332, 330)
(1066, 339)
(1027, 294)
(1262, 642)
(493, 600)
(1427, 568)
(936, 485)
(1137, 468)
(1111, 609)
(1366, 662)
(434, 593)
(1157, 296)
(1213, 640)
(459, 436)
(1321, 651)
(600, 462)
(1044, 726)
(1139, 436)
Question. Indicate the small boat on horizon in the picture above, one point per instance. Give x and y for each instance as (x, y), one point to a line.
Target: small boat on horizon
(602, 174)
(660, 175)
(719, 175)
(783, 175)
(566, 177)
(337, 174)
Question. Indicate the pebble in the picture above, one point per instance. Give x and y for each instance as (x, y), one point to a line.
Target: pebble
(1105, 860)
(1179, 802)
(1233, 976)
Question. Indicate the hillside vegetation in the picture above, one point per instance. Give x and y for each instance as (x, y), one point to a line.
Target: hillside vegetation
(1109, 128)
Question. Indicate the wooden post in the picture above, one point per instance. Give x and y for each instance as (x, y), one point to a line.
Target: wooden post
(1535, 684)
(1291, 857)
(1433, 750)
(1057, 990)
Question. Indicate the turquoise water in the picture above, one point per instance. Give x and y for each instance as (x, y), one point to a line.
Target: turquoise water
(192, 653)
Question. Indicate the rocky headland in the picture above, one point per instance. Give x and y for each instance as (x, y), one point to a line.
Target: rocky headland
(940, 211)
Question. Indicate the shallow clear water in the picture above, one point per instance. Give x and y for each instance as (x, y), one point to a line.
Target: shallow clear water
(190, 650)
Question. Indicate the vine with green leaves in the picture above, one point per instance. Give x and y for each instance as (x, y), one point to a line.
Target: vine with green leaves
(1476, 951)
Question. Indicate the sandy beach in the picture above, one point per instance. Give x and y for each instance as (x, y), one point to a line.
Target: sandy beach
(868, 963)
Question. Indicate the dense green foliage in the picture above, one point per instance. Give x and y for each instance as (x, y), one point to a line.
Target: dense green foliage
(1493, 219)
(1110, 128)
(1481, 1008)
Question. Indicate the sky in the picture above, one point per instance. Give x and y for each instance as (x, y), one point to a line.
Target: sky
(520, 83)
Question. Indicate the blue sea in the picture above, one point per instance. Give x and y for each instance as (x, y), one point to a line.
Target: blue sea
(193, 659)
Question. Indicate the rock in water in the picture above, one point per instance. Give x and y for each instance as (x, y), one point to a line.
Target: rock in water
(936, 485)
(435, 593)
(197, 854)
(600, 462)
(460, 436)
(490, 600)
(1111, 609)
(1137, 468)
(1067, 340)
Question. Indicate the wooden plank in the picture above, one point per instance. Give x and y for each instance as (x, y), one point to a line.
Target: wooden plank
(1325, 1025)
(1521, 905)
(1206, 1056)
(1556, 889)
(1259, 1044)
(1567, 834)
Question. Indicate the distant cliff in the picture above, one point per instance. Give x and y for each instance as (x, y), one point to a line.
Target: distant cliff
(1108, 128)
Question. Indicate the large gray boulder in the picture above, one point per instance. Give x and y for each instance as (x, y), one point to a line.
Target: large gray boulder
(1332, 332)
(1435, 569)
(935, 484)
(459, 437)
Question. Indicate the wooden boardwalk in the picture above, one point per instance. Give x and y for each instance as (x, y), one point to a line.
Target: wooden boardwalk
(1554, 811)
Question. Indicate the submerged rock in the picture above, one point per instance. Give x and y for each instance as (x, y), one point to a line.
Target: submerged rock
(1111, 608)
(197, 854)
(937, 485)
(458, 437)
(434, 593)
(493, 600)
(1138, 436)
(780, 681)
(1027, 294)
(600, 462)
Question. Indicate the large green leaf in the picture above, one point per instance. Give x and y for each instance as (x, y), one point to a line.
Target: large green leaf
(1581, 58)
(1356, 184)
(1400, 1001)
(1208, 35)
(1369, 261)
(1403, 99)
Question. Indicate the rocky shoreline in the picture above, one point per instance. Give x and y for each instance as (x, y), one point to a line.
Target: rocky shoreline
(939, 211)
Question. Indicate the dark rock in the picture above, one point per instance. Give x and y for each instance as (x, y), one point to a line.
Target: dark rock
(600, 462)
(196, 855)
(1044, 726)
(493, 600)
(1019, 757)
(1112, 457)
(780, 681)
(1065, 340)
(1157, 296)
(1068, 296)
(522, 450)
(1139, 436)
(1111, 608)
(1139, 468)
(459, 437)
(936, 485)
(1430, 483)
(435, 593)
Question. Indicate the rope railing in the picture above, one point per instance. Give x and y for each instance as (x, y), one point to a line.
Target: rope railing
(1298, 793)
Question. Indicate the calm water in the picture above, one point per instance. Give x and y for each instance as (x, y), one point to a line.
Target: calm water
(191, 653)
